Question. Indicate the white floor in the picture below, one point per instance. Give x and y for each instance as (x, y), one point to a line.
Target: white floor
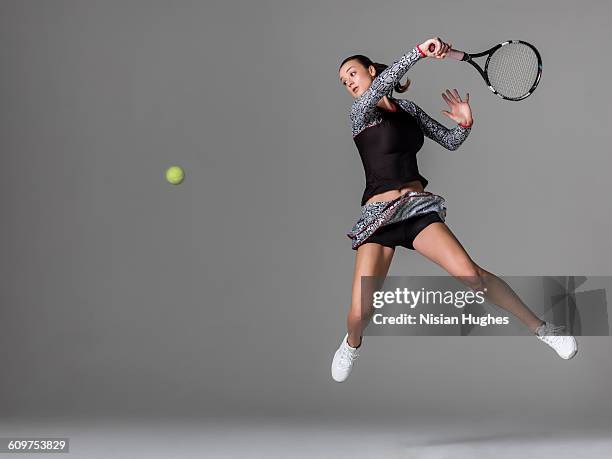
(289, 437)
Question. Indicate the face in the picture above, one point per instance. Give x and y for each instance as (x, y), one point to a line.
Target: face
(355, 77)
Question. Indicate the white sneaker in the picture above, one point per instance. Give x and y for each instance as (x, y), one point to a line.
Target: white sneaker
(565, 345)
(343, 361)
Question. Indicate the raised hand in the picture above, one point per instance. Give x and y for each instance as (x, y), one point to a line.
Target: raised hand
(460, 110)
(440, 48)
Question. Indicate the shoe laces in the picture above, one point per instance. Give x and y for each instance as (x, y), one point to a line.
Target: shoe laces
(551, 334)
(347, 357)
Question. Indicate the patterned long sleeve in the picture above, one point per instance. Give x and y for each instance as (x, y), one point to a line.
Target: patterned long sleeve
(450, 139)
(362, 111)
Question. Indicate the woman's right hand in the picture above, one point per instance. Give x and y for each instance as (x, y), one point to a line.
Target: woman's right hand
(440, 48)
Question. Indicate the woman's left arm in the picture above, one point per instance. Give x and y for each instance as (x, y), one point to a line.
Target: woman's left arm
(461, 113)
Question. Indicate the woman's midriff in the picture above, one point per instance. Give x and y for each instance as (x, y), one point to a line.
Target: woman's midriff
(390, 195)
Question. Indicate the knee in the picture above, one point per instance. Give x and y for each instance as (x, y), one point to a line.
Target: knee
(470, 274)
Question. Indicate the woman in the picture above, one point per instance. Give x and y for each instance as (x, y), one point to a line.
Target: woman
(395, 208)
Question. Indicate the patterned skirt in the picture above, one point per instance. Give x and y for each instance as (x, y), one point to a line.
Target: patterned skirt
(381, 213)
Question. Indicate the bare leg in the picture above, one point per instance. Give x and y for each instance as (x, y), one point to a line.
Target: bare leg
(438, 243)
(371, 260)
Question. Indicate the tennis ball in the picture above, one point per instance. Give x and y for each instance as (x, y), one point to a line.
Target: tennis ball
(175, 175)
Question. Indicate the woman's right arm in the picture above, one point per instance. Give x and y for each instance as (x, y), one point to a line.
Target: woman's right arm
(384, 83)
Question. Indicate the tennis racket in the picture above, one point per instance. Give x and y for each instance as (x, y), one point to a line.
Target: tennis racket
(512, 71)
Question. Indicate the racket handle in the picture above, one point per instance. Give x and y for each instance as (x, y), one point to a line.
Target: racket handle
(452, 53)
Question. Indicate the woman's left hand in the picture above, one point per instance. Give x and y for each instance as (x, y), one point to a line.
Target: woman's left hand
(460, 110)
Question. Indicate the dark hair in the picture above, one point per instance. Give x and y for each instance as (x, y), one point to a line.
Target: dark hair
(366, 62)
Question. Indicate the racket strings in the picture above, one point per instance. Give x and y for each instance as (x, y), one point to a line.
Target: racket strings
(513, 69)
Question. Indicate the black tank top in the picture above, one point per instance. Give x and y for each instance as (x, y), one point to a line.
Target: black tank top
(388, 152)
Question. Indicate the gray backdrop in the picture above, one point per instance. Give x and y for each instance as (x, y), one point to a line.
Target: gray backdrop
(121, 294)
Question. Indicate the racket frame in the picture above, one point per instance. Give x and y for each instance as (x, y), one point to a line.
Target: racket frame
(467, 57)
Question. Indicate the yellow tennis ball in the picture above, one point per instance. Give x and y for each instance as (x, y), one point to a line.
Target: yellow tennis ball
(175, 175)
